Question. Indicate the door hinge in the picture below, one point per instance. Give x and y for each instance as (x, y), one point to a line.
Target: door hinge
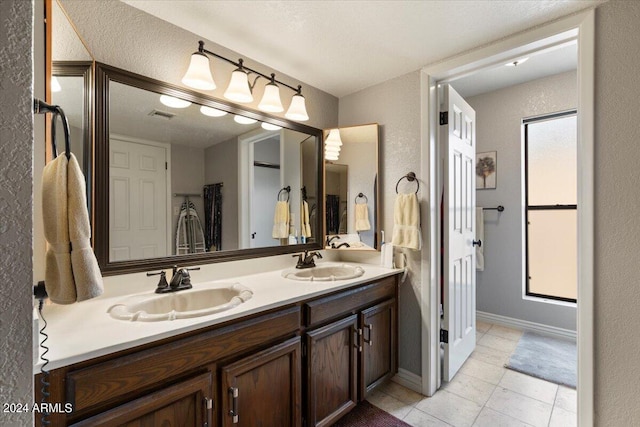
(444, 336)
(444, 118)
(166, 165)
(304, 349)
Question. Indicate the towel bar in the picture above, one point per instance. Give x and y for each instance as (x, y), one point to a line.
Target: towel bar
(361, 196)
(500, 208)
(411, 176)
(287, 189)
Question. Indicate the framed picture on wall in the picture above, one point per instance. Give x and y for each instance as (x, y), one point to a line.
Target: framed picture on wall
(486, 170)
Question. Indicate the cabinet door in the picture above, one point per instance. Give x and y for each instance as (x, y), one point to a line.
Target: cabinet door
(378, 357)
(264, 389)
(332, 370)
(185, 404)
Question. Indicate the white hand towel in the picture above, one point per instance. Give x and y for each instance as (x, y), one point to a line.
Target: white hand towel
(480, 236)
(281, 220)
(86, 272)
(72, 273)
(362, 217)
(406, 222)
(304, 220)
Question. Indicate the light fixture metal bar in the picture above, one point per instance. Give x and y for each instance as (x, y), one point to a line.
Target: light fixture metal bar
(241, 65)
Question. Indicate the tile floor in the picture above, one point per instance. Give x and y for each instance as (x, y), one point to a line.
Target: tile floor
(484, 393)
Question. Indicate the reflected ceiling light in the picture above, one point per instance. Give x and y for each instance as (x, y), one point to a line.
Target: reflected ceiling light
(332, 145)
(516, 63)
(198, 76)
(55, 84)
(243, 120)
(269, 126)
(174, 102)
(212, 112)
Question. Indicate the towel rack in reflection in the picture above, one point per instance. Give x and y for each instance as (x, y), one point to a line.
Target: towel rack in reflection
(411, 176)
(361, 196)
(287, 189)
(500, 208)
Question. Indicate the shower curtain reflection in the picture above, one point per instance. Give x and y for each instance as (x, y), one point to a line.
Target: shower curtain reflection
(213, 216)
(333, 213)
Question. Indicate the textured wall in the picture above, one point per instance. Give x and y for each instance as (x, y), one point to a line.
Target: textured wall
(16, 149)
(617, 220)
(499, 117)
(395, 106)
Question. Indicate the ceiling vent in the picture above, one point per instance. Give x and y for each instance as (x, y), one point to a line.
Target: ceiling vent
(162, 114)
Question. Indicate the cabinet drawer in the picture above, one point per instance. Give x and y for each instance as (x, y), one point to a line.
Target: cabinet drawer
(346, 302)
(107, 383)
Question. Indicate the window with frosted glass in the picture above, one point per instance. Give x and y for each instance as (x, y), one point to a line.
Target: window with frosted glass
(551, 206)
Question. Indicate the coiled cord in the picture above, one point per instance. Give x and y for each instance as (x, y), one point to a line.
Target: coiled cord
(44, 378)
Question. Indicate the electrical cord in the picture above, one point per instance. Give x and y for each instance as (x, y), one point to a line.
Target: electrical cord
(41, 294)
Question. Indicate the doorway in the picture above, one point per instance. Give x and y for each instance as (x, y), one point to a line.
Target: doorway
(579, 27)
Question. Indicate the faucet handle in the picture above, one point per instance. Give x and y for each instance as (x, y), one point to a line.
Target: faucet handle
(162, 284)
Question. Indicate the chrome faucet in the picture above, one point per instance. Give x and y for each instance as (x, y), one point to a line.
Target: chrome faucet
(306, 260)
(180, 280)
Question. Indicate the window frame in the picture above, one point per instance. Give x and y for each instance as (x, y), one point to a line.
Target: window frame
(527, 207)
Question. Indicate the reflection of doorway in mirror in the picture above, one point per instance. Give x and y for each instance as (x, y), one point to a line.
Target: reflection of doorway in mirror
(264, 190)
(138, 199)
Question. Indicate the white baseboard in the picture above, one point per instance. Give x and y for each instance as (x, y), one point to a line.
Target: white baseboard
(526, 325)
(409, 380)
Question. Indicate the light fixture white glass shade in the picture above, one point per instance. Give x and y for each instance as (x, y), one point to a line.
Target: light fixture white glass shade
(244, 120)
(333, 139)
(297, 110)
(331, 156)
(238, 90)
(212, 112)
(55, 85)
(173, 102)
(271, 99)
(269, 126)
(198, 75)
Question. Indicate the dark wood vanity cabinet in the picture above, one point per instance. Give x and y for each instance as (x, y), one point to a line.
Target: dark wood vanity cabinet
(350, 356)
(264, 389)
(307, 363)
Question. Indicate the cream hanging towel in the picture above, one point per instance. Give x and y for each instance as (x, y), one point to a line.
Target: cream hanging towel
(406, 222)
(281, 220)
(72, 273)
(362, 217)
(304, 220)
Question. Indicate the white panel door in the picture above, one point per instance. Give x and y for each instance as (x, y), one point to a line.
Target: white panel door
(459, 257)
(137, 200)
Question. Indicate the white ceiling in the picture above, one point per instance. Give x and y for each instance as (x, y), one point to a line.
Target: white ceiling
(345, 46)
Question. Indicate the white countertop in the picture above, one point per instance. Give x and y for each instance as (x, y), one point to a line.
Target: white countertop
(85, 330)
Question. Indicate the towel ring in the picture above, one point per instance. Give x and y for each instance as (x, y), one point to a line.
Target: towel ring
(361, 196)
(410, 177)
(287, 189)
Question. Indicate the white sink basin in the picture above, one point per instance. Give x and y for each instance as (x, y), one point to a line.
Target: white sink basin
(199, 301)
(324, 273)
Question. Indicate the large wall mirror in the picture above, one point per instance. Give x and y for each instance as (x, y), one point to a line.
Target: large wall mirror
(184, 178)
(352, 199)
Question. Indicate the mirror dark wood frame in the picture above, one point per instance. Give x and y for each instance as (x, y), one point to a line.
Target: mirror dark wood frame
(106, 74)
(82, 69)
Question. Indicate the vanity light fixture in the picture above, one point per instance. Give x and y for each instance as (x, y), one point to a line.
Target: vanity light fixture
(269, 126)
(244, 120)
(212, 112)
(198, 76)
(55, 84)
(516, 63)
(173, 102)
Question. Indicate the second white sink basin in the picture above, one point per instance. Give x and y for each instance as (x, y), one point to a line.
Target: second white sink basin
(325, 273)
(199, 301)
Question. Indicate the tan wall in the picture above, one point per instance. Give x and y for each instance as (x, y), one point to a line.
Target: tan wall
(617, 214)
